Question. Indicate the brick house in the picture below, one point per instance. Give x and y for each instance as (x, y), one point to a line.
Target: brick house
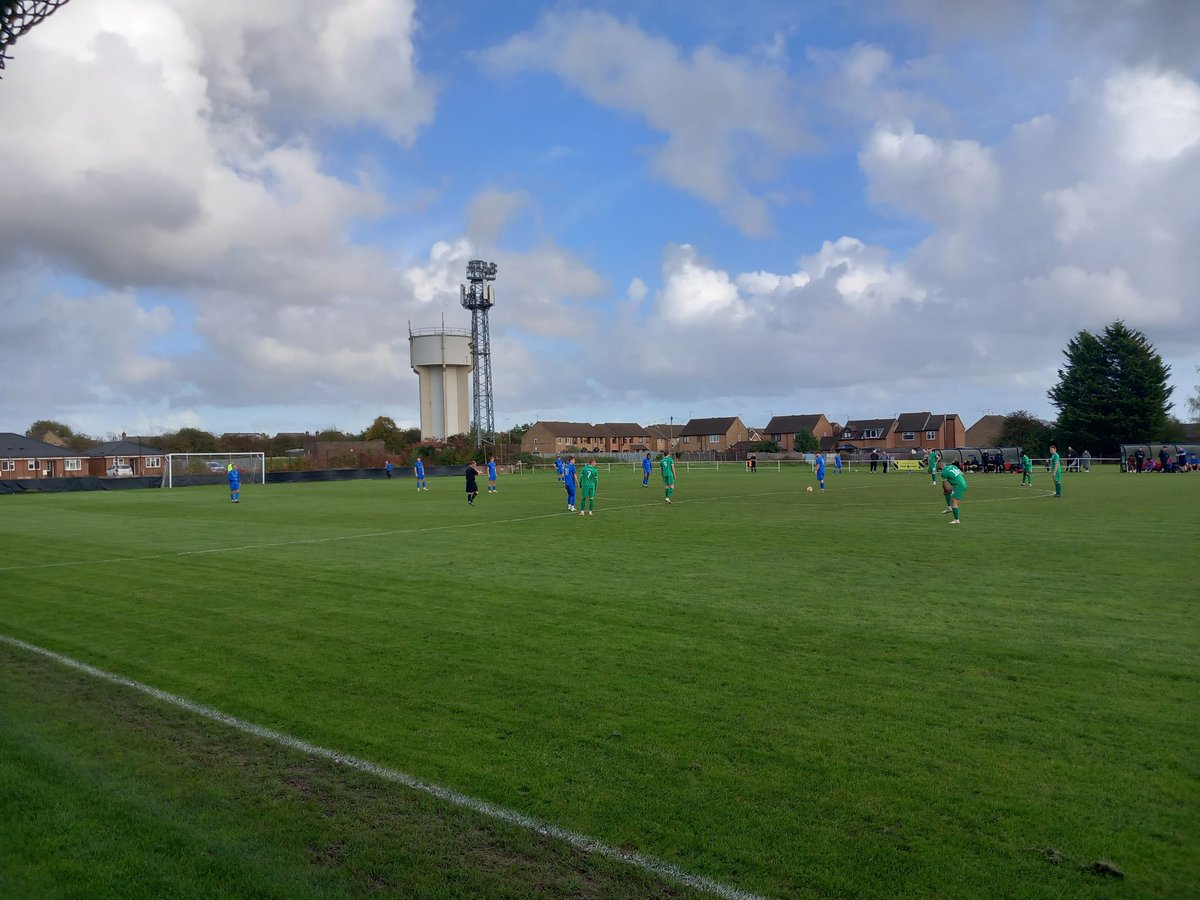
(985, 432)
(921, 431)
(27, 458)
(704, 435)
(783, 429)
(664, 437)
(624, 437)
(139, 456)
(552, 438)
(868, 434)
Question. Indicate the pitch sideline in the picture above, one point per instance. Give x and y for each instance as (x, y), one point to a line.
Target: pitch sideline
(510, 817)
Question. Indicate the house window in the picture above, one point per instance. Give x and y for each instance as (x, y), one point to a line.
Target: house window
(872, 433)
(931, 435)
(846, 433)
(31, 465)
(909, 436)
(72, 465)
(558, 440)
(714, 439)
(153, 462)
(7, 465)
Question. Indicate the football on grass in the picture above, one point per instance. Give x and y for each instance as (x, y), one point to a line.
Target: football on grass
(809, 488)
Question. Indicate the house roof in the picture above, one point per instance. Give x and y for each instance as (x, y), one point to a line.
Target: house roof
(624, 429)
(709, 426)
(18, 446)
(860, 425)
(913, 421)
(665, 431)
(793, 424)
(569, 429)
(123, 448)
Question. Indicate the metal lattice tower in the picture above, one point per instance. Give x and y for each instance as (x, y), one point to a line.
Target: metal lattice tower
(477, 296)
(18, 16)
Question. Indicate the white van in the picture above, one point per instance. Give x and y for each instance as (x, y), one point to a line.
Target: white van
(119, 471)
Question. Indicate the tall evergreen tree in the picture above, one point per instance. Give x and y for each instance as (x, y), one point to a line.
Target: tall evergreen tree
(1113, 390)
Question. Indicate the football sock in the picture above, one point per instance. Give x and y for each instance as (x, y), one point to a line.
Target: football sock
(955, 513)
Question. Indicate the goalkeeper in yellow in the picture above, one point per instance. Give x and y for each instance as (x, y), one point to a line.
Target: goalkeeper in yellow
(588, 477)
(954, 486)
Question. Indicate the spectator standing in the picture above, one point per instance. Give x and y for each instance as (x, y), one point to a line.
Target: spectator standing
(874, 460)
(1087, 460)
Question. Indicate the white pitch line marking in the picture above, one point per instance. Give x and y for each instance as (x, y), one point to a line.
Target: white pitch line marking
(510, 817)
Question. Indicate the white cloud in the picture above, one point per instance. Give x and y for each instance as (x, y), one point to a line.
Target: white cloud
(722, 115)
(935, 179)
(1157, 114)
(692, 290)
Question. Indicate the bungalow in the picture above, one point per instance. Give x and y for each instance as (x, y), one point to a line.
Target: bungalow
(141, 458)
(24, 458)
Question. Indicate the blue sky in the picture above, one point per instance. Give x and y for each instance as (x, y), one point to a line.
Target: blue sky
(227, 215)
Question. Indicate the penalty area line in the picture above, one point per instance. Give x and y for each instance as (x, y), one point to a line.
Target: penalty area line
(579, 841)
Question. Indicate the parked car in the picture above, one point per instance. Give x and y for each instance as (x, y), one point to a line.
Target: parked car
(216, 467)
(121, 470)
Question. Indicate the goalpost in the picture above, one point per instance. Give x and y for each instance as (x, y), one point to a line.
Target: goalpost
(186, 469)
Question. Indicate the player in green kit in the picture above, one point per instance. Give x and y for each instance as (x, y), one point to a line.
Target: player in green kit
(1056, 470)
(1026, 470)
(588, 476)
(667, 465)
(954, 486)
(932, 463)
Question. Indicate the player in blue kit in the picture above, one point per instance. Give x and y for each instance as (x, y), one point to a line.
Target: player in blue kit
(647, 467)
(419, 471)
(235, 482)
(492, 475)
(821, 471)
(569, 483)
(558, 467)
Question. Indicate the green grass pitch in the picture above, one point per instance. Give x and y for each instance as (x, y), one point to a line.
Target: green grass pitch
(793, 694)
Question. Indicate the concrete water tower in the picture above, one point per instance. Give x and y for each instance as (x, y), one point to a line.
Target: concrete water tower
(442, 359)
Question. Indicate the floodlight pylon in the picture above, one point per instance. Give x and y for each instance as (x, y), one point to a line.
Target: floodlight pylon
(18, 16)
(478, 296)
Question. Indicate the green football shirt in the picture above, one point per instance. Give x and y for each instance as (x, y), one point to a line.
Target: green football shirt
(588, 476)
(668, 469)
(954, 475)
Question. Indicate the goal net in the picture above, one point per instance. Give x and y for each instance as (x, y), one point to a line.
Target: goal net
(186, 469)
